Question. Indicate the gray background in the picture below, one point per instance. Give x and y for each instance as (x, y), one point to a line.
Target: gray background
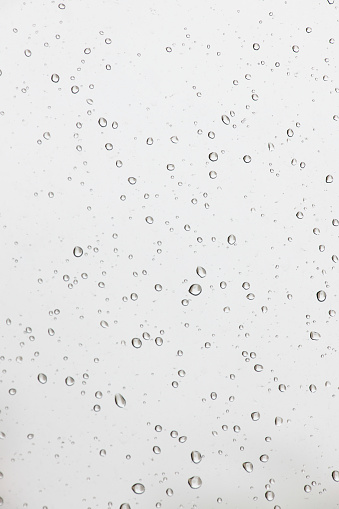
(211, 70)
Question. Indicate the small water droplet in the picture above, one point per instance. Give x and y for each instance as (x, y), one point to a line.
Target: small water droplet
(104, 324)
(149, 219)
(102, 122)
(136, 342)
(264, 458)
(55, 78)
(196, 456)
(335, 475)
(258, 368)
(255, 416)
(307, 488)
(269, 495)
(247, 159)
(231, 239)
(120, 401)
(74, 89)
(28, 52)
(225, 119)
(295, 49)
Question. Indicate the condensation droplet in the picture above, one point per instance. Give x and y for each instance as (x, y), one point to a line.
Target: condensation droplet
(42, 378)
(138, 488)
(77, 251)
(69, 381)
(196, 456)
(248, 466)
(201, 271)
(195, 289)
(120, 401)
(321, 296)
(195, 482)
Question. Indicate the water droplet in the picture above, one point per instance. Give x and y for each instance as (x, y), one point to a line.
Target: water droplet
(138, 488)
(278, 421)
(42, 378)
(55, 78)
(102, 452)
(258, 368)
(307, 488)
(295, 49)
(321, 296)
(136, 342)
(329, 179)
(213, 156)
(231, 240)
(255, 416)
(120, 401)
(225, 119)
(69, 381)
(196, 456)
(290, 133)
(156, 449)
(315, 335)
(248, 466)
(77, 251)
(102, 122)
(109, 146)
(269, 495)
(256, 46)
(299, 215)
(149, 141)
(104, 324)
(282, 387)
(195, 482)
(170, 167)
(12, 392)
(247, 159)
(201, 271)
(149, 219)
(174, 139)
(125, 506)
(74, 89)
(195, 289)
(28, 52)
(312, 388)
(264, 458)
(335, 475)
(250, 296)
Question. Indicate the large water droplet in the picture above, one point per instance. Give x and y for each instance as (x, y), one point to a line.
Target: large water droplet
(138, 488)
(247, 159)
(125, 506)
(225, 119)
(231, 239)
(255, 416)
(195, 289)
(335, 475)
(321, 296)
(102, 122)
(77, 251)
(196, 456)
(213, 156)
(315, 335)
(120, 401)
(69, 380)
(248, 466)
(269, 496)
(195, 482)
(42, 378)
(264, 458)
(55, 78)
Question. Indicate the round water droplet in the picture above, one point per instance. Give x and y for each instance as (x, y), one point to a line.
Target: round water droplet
(307, 488)
(102, 452)
(248, 466)
(77, 251)
(282, 387)
(278, 421)
(256, 46)
(295, 49)
(42, 378)
(28, 52)
(312, 388)
(138, 488)
(201, 271)
(290, 133)
(174, 139)
(120, 401)
(321, 296)
(258, 368)
(255, 416)
(195, 482)
(12, 392)
(109, 146)
(225, 119)
(125, 506)
(136, 342)
(104, 324)
(69, 381)
(74, 89)
(156, 449)
(195, 289)
(55, 78)
(247, 159)
(231, 240)
(335, 475)
(329, 179)
(102, 122)
(264, 458)
(196, 456)
(269, 496)
(213, 156)
(149, 219)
